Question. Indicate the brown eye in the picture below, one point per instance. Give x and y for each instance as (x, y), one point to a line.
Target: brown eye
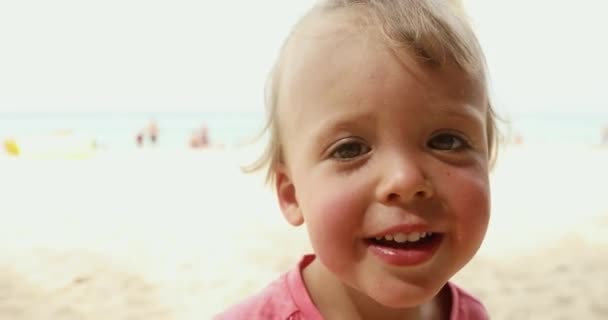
(350, 150)
(447, 142)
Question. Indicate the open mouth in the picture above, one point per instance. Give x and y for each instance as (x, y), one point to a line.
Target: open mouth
(405, 249)
(405, 241)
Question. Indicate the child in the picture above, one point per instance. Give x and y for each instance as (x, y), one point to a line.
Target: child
(381, 138)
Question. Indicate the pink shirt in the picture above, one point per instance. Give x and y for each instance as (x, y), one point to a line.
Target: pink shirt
(287, 299)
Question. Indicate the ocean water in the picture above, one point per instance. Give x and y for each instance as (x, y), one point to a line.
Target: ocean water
(118, 130)
(557, 128)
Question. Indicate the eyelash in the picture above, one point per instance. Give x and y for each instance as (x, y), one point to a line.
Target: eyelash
(456, 138)
(363, 149)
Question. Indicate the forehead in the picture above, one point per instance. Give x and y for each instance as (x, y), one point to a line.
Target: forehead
(330, 59)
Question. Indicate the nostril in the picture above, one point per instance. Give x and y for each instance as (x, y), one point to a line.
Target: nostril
(393, 197)
(421, 194)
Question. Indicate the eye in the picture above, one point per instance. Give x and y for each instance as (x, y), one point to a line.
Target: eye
(447, 142)
(349, 150)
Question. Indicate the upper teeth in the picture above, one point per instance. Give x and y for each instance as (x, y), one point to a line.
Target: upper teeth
(405, 237)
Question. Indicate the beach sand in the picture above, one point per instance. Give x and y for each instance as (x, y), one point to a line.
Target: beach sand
(179, 234)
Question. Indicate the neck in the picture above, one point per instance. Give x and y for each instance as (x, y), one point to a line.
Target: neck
(335, 300)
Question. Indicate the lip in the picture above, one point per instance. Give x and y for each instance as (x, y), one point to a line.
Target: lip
(411, 256)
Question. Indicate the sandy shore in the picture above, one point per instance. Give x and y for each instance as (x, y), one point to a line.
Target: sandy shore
(156, 234)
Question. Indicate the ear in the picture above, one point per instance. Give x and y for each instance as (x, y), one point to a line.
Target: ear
(286, 192)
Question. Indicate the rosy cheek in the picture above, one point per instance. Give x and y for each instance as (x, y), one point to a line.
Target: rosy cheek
(336, 209)
(471, 203)
(333, 218)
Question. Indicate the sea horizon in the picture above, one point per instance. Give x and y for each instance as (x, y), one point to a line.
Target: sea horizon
(114, 129)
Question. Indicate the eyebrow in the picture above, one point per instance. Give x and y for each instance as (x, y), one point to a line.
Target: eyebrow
(330, 125)
(334, 124)
(463, 111)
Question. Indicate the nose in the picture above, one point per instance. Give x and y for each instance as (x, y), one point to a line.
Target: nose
(404, 181)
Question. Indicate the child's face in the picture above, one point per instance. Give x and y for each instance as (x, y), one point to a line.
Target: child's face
(380, 146)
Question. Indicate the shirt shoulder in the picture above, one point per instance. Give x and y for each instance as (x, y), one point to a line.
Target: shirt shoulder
(465, 306)
(272, 303)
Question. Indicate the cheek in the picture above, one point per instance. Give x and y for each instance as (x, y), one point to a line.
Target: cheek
(469, 200)
(334, 211)
(333, 215)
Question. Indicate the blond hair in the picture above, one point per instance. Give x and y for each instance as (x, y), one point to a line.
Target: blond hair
(436, 31)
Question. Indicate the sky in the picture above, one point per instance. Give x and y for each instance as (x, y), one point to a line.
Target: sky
(176, 55)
